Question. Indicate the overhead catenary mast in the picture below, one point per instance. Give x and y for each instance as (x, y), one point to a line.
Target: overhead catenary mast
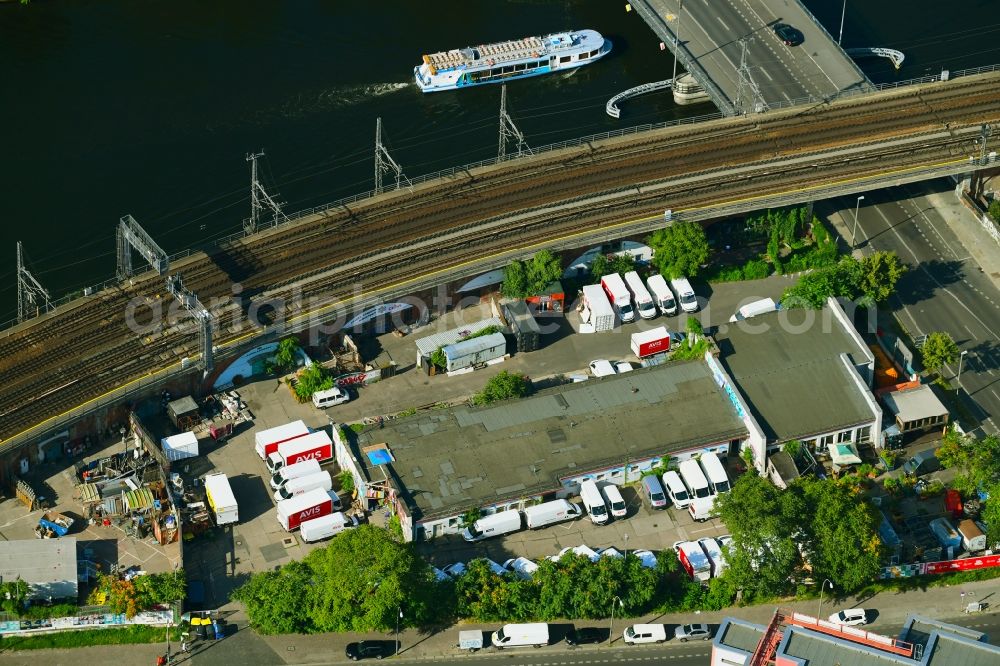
(259, 199)
(508, 130)
(30, 293)
(384, 162)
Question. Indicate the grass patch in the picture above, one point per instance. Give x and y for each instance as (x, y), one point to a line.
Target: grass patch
(86, 637)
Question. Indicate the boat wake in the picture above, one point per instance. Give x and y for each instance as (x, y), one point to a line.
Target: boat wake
(344, 96)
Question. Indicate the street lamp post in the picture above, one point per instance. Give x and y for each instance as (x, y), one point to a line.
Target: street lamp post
(843, 13)
(821, 588)
(854, 234)
(958, 381)
(611, 628)
(625, 537)
(399, 616)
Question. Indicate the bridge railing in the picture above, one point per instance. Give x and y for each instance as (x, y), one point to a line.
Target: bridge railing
(452, 171)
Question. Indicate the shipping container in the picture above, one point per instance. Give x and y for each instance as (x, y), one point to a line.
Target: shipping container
(476, 351)
(598, 312)
(316, 445)
(267, 440)
(653, 341)
(525, 329)
(178, 447)
(312, 504)
(220, 498)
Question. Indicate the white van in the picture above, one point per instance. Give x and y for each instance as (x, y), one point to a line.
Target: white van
(325, 527)
(676, 490)
(615, 500)
(695, 479)
(330, 397)
(594, 502)
(749, 310)
(715, 473)
(294, 487)
(502, 522)
(644, 633)
(294, 471)
(662, 295)
(521, 635)
(640, 295)
(685, 294)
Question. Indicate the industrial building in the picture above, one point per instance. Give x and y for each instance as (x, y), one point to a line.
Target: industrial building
(438, 465)
(795, 639)
(48, 566)
(809, 382)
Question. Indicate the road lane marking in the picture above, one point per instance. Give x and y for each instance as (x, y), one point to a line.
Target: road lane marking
(723, 24)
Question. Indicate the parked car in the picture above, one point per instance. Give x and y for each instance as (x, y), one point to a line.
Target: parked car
(788, 35)
(602, 368)
(584, 635)
(692, 632)
(852, 617)
(638, 634)
(922, 462)
(370, 650)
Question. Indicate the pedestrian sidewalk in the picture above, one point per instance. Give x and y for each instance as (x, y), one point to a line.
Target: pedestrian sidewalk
(244, 646)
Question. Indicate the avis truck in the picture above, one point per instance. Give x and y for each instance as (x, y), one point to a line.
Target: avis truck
(221, 499)
(651, 342)
(311, 504)
(267, 440)
(314, 446)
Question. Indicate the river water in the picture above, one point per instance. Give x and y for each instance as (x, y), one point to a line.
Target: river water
(149, 108)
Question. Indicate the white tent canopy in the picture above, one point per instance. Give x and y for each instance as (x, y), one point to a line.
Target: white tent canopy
(844, 454)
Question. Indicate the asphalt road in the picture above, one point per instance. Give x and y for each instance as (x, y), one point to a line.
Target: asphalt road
(945, 290)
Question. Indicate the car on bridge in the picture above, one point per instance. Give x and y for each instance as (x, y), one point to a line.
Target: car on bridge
(788, 35)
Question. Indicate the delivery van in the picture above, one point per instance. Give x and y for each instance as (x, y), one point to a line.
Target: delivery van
(615, 500)
(654, 491)
(330, 397)
(753, 309)
(640, 295)
(327, 526)
(685, 294)
(637, 634)
(535, 634)
(502, 522)
(715, 473)
(593, 501)
(695, 479)
(294, 487)
(679, 494)
(548, 513)
(304, 468)
(662, 295)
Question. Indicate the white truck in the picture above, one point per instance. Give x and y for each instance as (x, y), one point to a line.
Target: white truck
(685, 294)
(593, 500)
(220, 498)
(702, 508)
(289, 472)
(651, 342)
(597, 311)
(309, 505)
(267, 440)
(535, 634)
(643, 301)
(317, 445)
(503, 522)
(326, 526)
(294, 487)
(552, 512)
(661, 294)
(619, 296)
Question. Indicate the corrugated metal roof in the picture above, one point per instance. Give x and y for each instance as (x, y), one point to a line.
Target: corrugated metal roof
(914, 404)
(427, 345)
(474, 346)
(89, 493)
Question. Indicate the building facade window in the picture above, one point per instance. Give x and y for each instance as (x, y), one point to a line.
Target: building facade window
(844, 436)
(865, 434)
(826, 441)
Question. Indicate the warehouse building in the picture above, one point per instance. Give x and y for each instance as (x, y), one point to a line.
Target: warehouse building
(48, 566)
(438, 465)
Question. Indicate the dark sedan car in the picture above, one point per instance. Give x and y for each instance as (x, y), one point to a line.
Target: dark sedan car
(585, 635)
(787, 34)
(370, 650)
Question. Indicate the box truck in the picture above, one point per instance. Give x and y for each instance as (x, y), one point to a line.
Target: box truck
(694, 560)
(267, 440)
(499, 523)
(593, 501)
(221, 499)
(640, 295)
(535, 634)
(294, 471)
(294, 487)
(597, 312)
(475, 351)
(662, 295)
(311, 504)
(548, 513)
(316, 445)
(325, 527)
(619, 296)
(973, 538)
(685, 294)
(702, 508)
(653, 341)
(714, 552)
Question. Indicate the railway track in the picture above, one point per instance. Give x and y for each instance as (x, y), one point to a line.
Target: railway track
(63, 360)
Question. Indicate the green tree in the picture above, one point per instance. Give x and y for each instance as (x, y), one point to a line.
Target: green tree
(160, 588)
(994, 210)
(606, 264)
(976, 461)
(774, 250)
(543, 269)
(878, 276)
(515, 280)
(346, 482)
(764, 522)
(938, 351)
(991, 515)
(438, 358)
(841, 538)
(693, 326)
(13, 594)
(679, 250)
(485, 596)
(502, 386)
(279, 602)
(312, 379)
(814, 288)
(287, 353)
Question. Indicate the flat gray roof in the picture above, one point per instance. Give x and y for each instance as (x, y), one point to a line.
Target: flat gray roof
(448, 461)
(795, 382)
(740, 635)
(918, 629)
(47, 565)
(949, 649)
(914, 404)
(820, 650)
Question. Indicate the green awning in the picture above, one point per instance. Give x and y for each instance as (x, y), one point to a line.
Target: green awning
(138, 500)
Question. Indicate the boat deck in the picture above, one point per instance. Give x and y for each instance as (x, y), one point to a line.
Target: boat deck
(501, 52)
